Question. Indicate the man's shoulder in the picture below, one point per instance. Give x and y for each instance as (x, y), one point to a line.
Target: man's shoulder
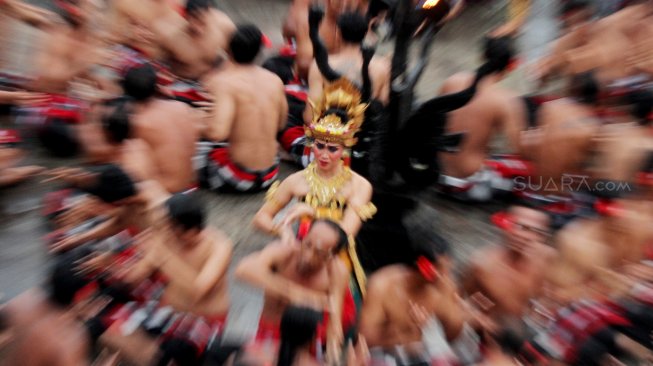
(388, 277)
(457, 82)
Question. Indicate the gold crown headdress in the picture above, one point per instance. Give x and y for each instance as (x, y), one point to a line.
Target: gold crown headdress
(339, 114)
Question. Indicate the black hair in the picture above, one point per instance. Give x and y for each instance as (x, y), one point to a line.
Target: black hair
(298, 329)
(585, 87)
(110, 183)
(575, 5)
(282, 66)
(353, 27)
(642, 105)
(423, 239)
(63, 283)
(59, 138)
(197, 6)
(343, 238)
(245, 43)
(139, 82)
(4, 320)
(187, 211)
(116, 122)
(499, 51)
(647, 166)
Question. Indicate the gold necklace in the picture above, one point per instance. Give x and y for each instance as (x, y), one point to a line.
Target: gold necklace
(323, 191)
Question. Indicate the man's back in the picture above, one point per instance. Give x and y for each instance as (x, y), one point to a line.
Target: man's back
(170, 129)
(568, 128)
(493, 107)
(257, 108)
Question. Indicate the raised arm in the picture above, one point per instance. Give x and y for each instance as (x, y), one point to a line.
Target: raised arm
(277, 197)
(359, 207)
(30, 14)
(216, 266)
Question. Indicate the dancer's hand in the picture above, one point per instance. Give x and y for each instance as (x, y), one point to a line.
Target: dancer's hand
(297, 212)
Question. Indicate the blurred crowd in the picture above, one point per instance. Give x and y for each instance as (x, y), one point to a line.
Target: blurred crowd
(159, 99)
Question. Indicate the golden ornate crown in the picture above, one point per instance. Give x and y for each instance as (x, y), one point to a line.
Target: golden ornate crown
(339, 114)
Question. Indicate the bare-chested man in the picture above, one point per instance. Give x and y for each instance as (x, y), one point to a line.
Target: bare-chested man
(492, 108)
(615, 47)
(503, 280)
(398, 293)
(591, 248)
(196, 45)
(133, 203)
(250, 109)
(622, 147)
(348, 61)
(43, 317)
(194, 259)
(296, 28)
(165, 131)
(69, 50)
(561, 146)
(308, 274)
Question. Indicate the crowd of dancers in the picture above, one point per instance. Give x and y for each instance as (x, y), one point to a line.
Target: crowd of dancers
(160, 99)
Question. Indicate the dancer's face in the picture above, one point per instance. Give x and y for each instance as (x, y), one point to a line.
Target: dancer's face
(327, 154)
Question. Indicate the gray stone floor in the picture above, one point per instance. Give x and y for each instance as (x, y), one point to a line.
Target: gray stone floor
(22, 255)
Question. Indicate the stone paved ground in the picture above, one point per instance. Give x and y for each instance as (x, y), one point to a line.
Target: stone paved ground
(22, 256)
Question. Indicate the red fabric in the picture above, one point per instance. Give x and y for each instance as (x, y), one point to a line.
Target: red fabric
(290, 135)
(511, 166)
(221, 156)
(502, 220)
(271, 330)
(582, 323)
(9, 136)
(288, 51)
(265, 40)
(62, 107)
(197, 330)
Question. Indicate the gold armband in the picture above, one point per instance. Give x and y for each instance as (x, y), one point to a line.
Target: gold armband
(366, 211)
(270, 195)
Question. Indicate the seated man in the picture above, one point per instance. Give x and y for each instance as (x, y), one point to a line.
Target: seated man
(133, 203)
(502, 280)
(306, 274)
(192, 308)
(562, 145)
(44, 317)
(296, 28)
(250, 109)
(348, 60)
(397, 294)
(622, 147)
(196, 44)
(492, 108)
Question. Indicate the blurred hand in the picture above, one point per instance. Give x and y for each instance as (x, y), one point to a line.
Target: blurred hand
(73, 176)
(23, 98)
(297, 212)
(67, 243)
(94, 262)
(359, 355)
(419, 314)
(309, 298)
